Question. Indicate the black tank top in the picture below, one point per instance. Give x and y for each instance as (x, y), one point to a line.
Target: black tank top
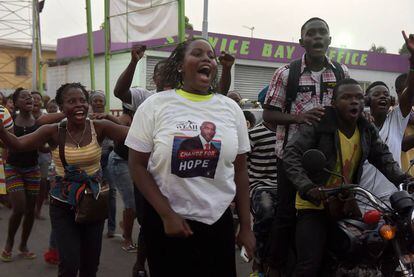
(23, 159)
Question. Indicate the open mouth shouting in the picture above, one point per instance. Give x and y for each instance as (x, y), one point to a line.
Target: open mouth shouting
(355, 112)
(81, 114)
(205, 73)
(319, 47)
(29, 103)
(383, 103)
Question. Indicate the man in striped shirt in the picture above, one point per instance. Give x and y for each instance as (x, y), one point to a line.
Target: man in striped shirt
(263, 186)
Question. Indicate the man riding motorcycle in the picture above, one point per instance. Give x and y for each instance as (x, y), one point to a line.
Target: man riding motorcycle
(347, 139)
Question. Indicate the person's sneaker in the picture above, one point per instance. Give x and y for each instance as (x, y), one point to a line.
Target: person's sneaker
(110, 234)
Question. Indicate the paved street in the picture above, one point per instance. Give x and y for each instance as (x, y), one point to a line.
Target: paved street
(114, 261)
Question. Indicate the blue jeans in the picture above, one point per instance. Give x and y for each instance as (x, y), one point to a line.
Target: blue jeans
(119, 178)
(112, 199)
(107, 146)
(79, 245)
(264, 204)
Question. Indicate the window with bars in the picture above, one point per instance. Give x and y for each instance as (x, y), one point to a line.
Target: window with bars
(21, 66)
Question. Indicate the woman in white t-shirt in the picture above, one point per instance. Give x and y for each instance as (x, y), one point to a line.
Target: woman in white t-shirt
(188, 158)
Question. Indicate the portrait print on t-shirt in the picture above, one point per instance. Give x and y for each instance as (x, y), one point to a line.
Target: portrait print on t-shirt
(196, 156)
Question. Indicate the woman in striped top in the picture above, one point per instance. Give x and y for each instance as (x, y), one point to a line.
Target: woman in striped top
(79, 245)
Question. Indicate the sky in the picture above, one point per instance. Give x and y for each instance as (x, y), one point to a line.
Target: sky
(354, 24)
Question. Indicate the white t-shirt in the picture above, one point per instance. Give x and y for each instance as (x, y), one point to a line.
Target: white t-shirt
(198, 183)
(391, 133)
(138, 96)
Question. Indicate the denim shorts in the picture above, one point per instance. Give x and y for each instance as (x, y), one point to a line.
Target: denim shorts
(121, 180)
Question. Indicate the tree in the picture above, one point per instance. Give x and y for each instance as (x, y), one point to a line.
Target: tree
(377, 49)
(404, 50)
(188, 25)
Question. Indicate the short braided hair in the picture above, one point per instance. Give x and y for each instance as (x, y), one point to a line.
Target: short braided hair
(16, 94)
(169, 70)
(65, 87)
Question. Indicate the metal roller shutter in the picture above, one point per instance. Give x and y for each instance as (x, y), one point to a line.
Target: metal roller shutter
(250, 80)
(151, 62)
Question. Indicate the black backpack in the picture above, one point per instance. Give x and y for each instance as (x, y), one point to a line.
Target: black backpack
(293, 83)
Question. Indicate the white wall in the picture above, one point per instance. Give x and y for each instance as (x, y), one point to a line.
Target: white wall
(56, 76)
(372, 76)
(78, 71)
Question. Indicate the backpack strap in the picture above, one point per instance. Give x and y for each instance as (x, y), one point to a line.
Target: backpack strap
(293, 81)
(291, 91)
(62, 140)
(292, 84)
(338, 71)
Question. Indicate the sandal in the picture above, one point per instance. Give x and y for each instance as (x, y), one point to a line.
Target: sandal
(6, 256)
(130, 248)
(27, 255)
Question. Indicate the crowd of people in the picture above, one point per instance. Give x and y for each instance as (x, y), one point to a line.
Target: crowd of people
(183, 155)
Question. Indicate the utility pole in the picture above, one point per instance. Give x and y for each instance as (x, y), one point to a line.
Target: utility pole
(90, 43)
(34, 45)
(181, 20)
(205, 20)
(107, 56)
(251, 30)
(39, 51)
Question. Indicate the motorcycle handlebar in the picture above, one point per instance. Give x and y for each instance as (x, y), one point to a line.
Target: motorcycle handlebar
(355, 188)
(334, 191)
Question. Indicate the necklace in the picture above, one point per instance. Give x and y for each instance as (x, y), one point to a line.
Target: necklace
(73, 140)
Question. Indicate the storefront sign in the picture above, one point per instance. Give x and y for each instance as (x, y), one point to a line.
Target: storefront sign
(248, 49)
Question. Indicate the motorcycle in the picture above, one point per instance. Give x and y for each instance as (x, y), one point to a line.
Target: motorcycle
(360, 247)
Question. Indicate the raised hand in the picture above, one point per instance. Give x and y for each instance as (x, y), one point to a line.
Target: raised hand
(409, 41)
(137, 52)
(226, 60)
